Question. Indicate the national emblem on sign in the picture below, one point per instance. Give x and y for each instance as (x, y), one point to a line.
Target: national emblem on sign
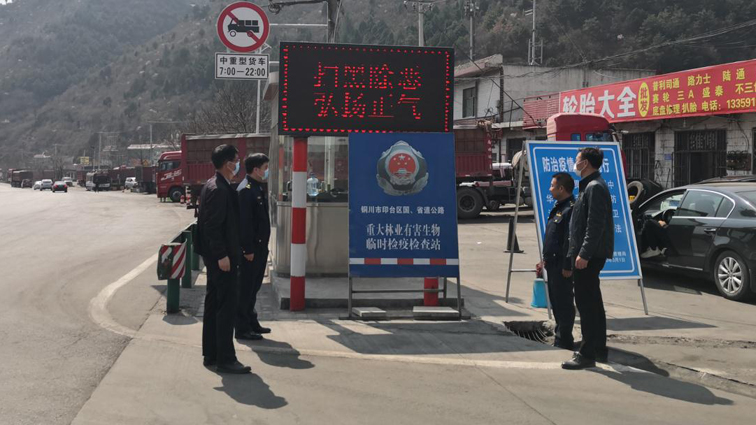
(402, 170)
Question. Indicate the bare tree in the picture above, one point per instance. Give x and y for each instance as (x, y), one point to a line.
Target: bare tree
(231, 111)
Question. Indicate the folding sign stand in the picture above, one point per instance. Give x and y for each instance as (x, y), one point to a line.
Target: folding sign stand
(443, 291)
(510, 270)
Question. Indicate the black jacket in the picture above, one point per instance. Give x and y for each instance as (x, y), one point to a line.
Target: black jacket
(254, 218)
(556, 242)
(218, 221)
(592, 225)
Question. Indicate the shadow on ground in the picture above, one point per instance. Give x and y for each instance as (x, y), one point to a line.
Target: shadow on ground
(429, 338)
(250, 389)
(280, 354)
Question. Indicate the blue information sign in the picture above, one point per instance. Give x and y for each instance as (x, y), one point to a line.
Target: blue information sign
(402, 205)
(548, 158)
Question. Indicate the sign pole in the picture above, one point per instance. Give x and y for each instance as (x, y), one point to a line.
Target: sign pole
(643, 296)
(516, 215)
(298, 224)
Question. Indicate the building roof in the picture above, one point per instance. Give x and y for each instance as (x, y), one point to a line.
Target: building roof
(479, 67)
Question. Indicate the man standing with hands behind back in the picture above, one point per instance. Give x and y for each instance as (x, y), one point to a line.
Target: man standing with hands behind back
(556, 261)
(255, 234)
(218, 236)
(591, 244)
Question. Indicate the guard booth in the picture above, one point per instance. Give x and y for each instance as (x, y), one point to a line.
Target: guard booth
(327, 210)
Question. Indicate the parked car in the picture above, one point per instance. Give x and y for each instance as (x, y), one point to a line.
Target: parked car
(46, 184)
(68, 181)
(711, 232)
(60, 186)
(130, 183)
(37, 185)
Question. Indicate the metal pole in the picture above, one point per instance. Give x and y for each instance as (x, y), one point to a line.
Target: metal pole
(186, 281)
(533, 42)
(172, 296)
(349, 300)
(257, 112)
(298, 224)
(643, 296)
(150, 143)
(420, 23)
(459, 296)
(521, 164)
(472, 32)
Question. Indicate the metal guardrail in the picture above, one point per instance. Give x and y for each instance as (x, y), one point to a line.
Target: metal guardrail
(192, 263)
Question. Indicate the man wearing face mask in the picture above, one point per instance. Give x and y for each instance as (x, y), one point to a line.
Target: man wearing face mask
(218, 243)
(255, 234)
(591, 245)
(556, 261)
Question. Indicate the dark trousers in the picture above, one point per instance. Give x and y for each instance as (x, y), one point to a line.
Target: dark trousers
(250, 281)
(654, 236)
(220, 309)
(562, 303)
(590, 304)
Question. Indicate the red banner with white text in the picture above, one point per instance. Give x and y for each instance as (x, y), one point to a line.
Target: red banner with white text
(714, 90)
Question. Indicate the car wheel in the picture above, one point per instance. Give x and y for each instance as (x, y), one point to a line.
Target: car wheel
(469, 203)
(175, 194)
(732, 277)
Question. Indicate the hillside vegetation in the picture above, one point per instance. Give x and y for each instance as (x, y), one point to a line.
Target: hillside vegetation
(70, 69)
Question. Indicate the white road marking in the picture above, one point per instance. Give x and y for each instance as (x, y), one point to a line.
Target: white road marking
(98, 307)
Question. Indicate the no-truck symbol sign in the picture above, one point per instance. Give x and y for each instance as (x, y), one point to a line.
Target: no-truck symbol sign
(243, 27)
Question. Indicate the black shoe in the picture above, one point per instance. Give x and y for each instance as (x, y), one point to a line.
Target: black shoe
(260, 330)
(578, 362)
(234, 368)
(207, 362)
(249, 336)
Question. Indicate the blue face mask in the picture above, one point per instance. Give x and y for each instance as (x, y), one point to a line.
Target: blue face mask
(265, 176)
(236, 169)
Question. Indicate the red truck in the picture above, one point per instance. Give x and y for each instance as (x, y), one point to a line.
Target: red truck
(196, 150)
(170, 176)
(22, 178)
(189, 168)
(480, 183)
(118, 176)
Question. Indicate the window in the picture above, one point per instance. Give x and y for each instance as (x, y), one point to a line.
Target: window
(169, 165)
(639, 150)
(663, 203)
(699, 155)
(468, 102)
(725, 208)
(700, 204)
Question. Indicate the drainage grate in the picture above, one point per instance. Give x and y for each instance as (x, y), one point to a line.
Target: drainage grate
(534, 331)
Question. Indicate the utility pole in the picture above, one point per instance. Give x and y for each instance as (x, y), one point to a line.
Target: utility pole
(471, 9)
(532, 44)
(421, 7)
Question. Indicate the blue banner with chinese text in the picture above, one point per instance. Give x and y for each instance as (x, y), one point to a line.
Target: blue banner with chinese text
(402, 205)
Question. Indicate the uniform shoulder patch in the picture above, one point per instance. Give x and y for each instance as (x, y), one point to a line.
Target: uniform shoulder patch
(249, 185)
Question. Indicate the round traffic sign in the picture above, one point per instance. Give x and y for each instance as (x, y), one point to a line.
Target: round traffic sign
(243, 27)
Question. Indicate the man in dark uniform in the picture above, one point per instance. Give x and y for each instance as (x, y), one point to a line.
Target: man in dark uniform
(557, 263)
(255, 234)
(218, 236)
(591, 245)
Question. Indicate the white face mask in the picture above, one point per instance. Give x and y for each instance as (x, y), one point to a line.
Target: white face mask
(576, 170)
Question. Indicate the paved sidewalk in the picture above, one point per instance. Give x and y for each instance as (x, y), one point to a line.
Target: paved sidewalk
(314, 368)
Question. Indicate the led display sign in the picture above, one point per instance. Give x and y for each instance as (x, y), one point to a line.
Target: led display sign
(331, 89)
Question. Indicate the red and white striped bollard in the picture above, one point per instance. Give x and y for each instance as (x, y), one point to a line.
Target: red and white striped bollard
(298, 224)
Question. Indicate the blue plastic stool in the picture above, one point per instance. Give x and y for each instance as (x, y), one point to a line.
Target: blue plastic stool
(539, 294)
